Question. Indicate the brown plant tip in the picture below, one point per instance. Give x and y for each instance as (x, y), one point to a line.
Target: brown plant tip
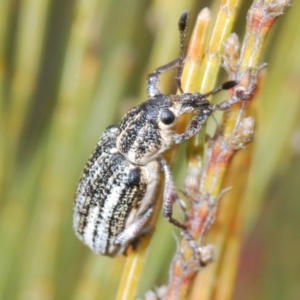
(247, 85)
(243, 134)
(265, 14)
(207, 255)
(231, 54)
(204, 14)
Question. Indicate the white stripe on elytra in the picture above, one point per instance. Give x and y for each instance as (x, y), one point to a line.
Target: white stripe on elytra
(90, 226)
(95, 170)
(111, 202)
(81, 200)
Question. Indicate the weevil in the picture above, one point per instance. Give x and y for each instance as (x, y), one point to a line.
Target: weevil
(116, 194)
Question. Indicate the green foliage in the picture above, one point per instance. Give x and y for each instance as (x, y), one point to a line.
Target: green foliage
(70, 68)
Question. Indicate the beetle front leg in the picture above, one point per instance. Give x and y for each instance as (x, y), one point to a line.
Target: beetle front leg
(153, 78)
(135, 230)
(194, 126)
(170, 196)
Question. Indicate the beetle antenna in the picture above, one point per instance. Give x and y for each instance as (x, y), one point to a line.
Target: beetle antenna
(225, 86)
(182, 24)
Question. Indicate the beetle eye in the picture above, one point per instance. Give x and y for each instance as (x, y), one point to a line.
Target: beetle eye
(167, 116)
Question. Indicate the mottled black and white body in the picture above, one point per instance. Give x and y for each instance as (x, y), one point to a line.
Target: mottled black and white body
(110, 193)
(116, 193)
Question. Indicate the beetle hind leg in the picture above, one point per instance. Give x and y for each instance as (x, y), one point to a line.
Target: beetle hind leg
(170, 197)
(138, 228)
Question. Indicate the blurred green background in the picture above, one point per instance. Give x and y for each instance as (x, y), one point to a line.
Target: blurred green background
(68, 69)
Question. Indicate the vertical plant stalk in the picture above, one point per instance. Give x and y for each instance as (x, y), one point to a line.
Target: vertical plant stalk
(260, 19)
(48, 219)
(211, 63)
(190, 77)
(192, 67)
(4, 17)
(136, 258)
(235, 132)
(32, 26)
(180, 275)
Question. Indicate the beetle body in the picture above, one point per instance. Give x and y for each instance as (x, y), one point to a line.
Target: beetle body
(116, 193)
(109, 195)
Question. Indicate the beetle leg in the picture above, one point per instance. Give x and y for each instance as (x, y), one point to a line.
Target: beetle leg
(135, 230)
(199, 120)
(170, 196)
(194, 126)
(153, 78)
